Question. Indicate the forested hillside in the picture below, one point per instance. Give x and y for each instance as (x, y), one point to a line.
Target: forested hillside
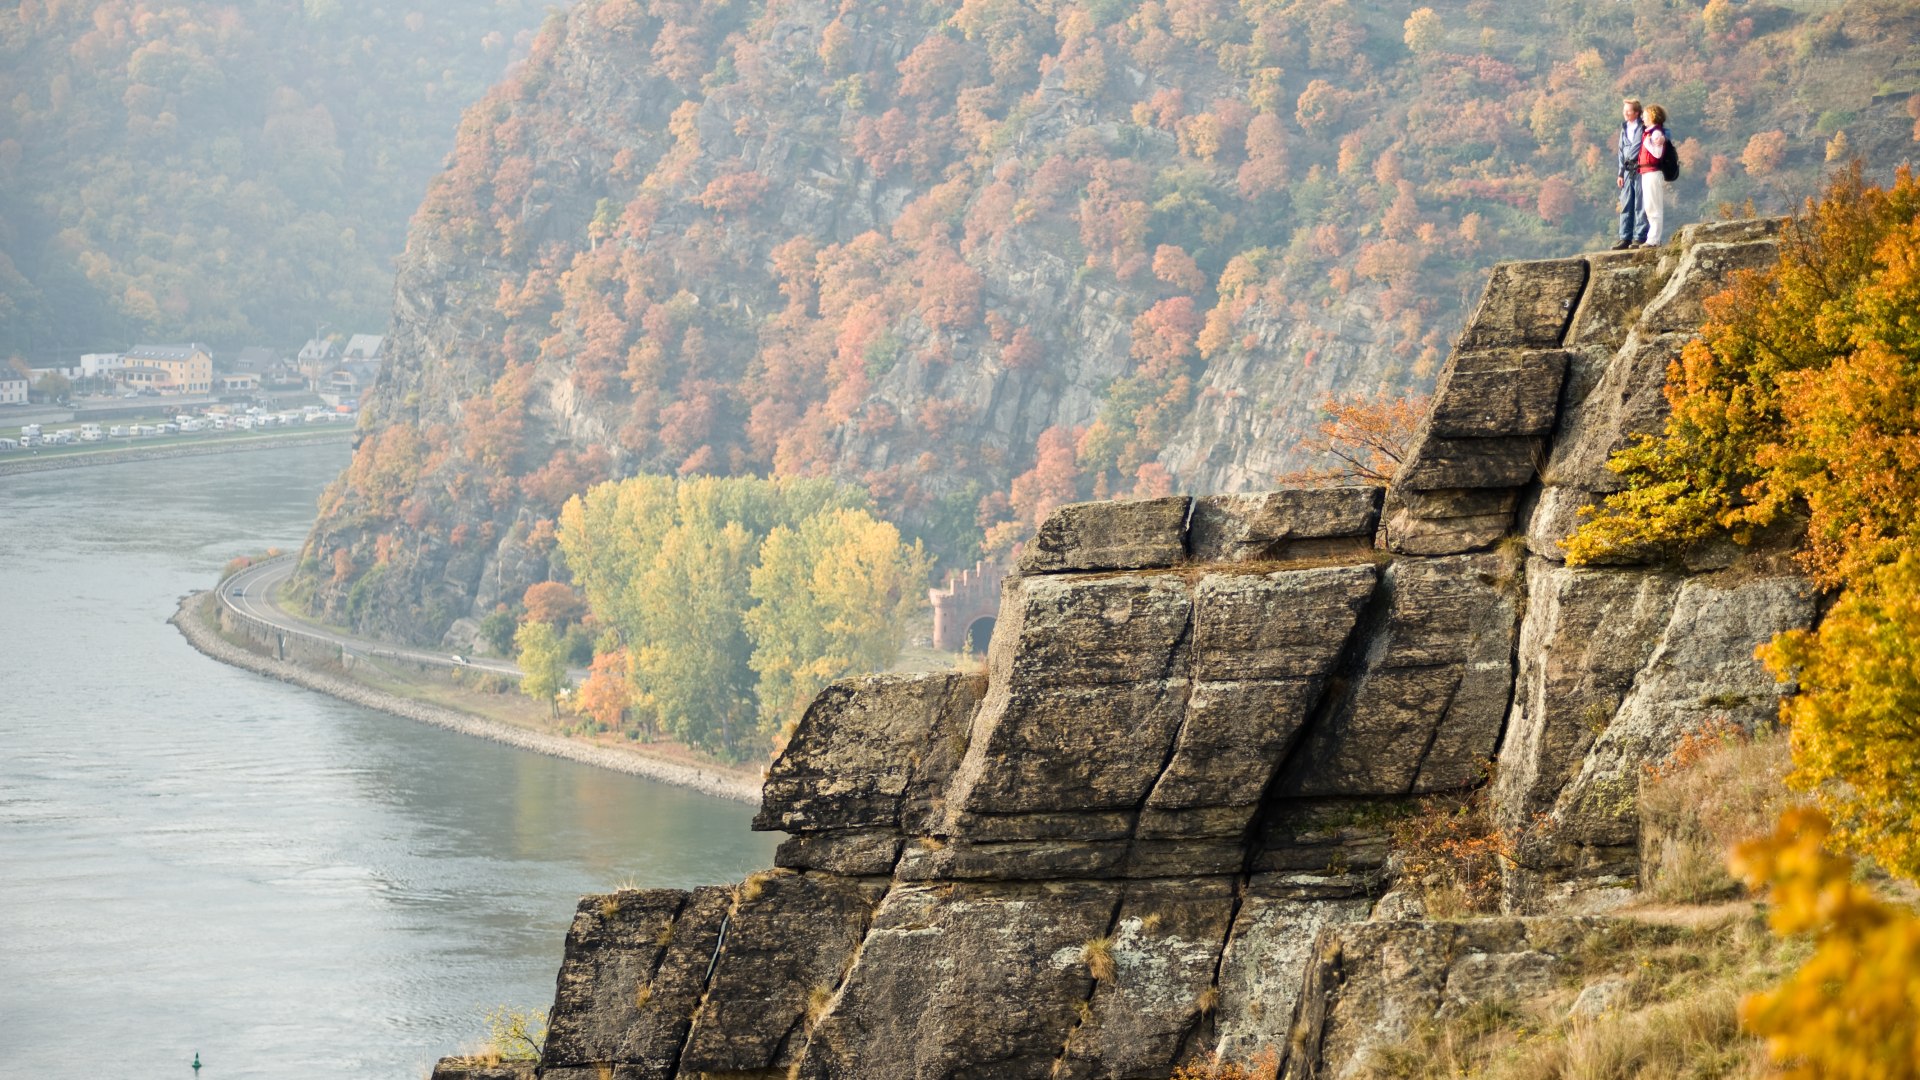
(232, 172)
(984, 257)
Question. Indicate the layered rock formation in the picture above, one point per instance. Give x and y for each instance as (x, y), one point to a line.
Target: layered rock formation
(1115, 850)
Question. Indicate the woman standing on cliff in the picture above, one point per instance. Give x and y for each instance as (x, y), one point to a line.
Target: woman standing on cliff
(1653, 182)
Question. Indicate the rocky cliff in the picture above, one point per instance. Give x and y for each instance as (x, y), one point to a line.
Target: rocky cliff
(1157, 825)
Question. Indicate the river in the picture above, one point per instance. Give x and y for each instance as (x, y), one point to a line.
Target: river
(194, 858)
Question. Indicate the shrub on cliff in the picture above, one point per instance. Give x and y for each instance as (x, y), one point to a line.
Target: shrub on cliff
(1800, 402)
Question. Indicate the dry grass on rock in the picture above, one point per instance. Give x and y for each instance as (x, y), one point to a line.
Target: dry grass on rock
(1674, 1014)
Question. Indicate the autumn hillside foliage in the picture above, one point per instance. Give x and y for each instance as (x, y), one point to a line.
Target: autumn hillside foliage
(980, 257)
(1797, 414)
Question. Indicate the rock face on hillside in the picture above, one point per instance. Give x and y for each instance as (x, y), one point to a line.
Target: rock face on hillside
(1156, 827)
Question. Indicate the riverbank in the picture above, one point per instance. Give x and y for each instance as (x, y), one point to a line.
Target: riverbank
(193, 622)
(220, 444)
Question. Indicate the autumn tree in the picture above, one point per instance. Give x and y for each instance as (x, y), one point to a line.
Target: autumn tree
(831, 597)
(1765, 151)
(554, 603)
(542, 658)
(1853, 1009)
(606, 695)
(1423, 31)
(1368, 436)
(1556, 199)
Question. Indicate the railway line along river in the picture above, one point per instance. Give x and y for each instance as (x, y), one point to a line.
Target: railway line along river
(197, 859)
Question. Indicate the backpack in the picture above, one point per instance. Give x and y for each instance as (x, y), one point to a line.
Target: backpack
(1670, 161)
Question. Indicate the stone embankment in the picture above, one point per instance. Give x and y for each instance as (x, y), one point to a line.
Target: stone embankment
(193, 625)
(1157, 827)
(16, 466)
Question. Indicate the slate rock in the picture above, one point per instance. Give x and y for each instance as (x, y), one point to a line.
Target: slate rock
(1702, 671)
(1586, 635)
(1437, 462)
(476, 1068)
(965, 859)
(852, 852)
(1448, 521)
(1731, 232)
(1704, 269)
(871, 752)
(1278, 524)
(1424, 711)
(633, 972)
(1125, 535)
(1338, 840)
(1288, 624)
(1262, 646)
(1618, 287)
(1527, 305)
(1263, 966)
(1628, 401)
(1371, 986)
(788, 940)
(971, 980)
(1087, 685)
(1164, 947)
(1498, 392)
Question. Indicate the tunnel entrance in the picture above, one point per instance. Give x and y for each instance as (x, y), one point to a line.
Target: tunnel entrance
(980, 634)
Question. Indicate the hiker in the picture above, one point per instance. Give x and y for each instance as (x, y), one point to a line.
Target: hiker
(1653, 179)
(1633, 218)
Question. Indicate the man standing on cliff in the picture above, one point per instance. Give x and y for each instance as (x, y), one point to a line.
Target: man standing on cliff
(1633, 212)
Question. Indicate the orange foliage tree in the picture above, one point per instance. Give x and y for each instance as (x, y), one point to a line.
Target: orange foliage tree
(554, 603)
(1367, 435)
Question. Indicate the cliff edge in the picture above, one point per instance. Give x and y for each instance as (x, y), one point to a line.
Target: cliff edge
(1114, 851)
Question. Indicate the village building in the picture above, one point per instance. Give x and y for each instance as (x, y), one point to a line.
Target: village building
(98, 365)
(169, 369)
(362, 349)
(316, 359)
(13, 387)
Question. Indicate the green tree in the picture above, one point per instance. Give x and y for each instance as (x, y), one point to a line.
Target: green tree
(543, 660)
(831, 599)
(497, 629)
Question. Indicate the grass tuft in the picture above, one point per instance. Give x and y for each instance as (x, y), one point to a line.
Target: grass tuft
(1098, 954)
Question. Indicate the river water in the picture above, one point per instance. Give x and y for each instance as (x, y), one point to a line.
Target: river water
(194, 858)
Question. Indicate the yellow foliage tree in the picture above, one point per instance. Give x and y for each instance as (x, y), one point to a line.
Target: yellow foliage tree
(679, 571)
(1856, 722)
(1852, 1012)
(1423, 31)
(831, 598)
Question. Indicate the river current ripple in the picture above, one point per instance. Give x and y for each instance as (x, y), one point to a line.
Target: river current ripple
(198, 859)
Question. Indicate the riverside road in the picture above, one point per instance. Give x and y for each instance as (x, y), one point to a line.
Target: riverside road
(251, 594)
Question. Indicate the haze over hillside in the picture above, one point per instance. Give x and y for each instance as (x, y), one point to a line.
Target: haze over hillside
(983, 257)
(234, 173)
